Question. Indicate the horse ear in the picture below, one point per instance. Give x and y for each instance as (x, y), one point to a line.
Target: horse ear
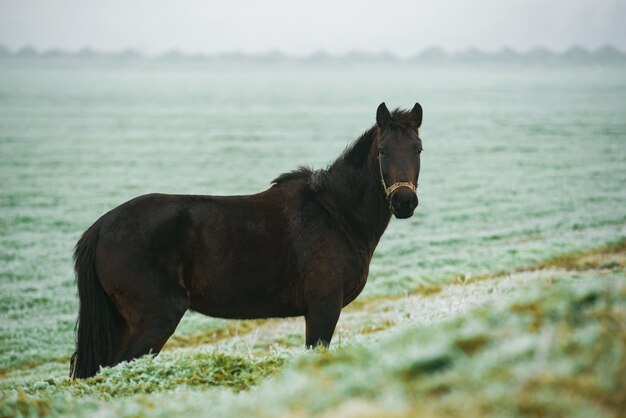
(417, 114)
(382, 116)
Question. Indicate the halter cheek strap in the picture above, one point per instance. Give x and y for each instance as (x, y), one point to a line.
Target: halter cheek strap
(389, 190)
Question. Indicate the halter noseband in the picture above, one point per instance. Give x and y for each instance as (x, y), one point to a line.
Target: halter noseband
(389, 190)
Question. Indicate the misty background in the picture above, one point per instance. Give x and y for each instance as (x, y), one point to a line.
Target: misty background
(402, 27)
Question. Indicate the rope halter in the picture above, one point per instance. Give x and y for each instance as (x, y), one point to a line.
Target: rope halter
(389, 190)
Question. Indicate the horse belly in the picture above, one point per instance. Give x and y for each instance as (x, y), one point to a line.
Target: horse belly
(227, 304)
(247, 291)
(242, 267)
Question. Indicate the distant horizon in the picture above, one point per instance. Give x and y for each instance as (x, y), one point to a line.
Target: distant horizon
(279, 52)
(401, 27)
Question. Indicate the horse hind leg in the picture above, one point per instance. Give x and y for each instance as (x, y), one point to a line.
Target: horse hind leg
(149, 333)
(151, 318)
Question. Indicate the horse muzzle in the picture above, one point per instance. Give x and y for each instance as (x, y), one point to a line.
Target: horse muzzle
(403, 203)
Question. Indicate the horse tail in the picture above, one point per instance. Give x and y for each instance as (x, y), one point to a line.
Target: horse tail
(96, 327)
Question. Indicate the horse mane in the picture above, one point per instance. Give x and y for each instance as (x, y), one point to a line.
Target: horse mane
(353, 155)
(356, 153)
(302, 171)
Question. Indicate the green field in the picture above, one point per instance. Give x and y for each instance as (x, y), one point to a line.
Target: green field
(504, 295)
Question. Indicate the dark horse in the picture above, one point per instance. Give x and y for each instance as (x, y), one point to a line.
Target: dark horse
(302, 247)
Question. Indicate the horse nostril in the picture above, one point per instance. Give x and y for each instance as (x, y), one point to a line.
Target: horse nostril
(403, 204)
(394, 199)
(403, 201)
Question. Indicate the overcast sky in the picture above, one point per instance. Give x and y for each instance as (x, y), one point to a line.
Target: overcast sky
(402, 27)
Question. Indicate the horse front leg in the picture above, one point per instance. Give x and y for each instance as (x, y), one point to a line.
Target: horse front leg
(321, 318)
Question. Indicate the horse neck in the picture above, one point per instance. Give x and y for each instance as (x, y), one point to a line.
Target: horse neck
(358, 198)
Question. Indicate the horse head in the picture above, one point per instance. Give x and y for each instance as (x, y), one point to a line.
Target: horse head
(399, 147)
